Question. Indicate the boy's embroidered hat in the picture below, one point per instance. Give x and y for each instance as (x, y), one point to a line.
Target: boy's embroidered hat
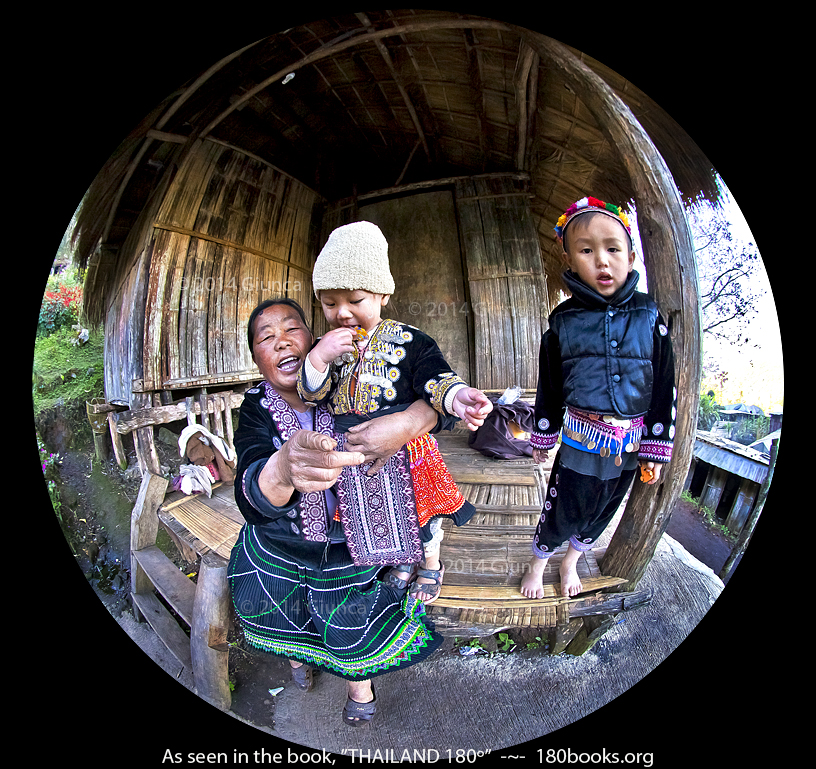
(587, 205)
(355, 257)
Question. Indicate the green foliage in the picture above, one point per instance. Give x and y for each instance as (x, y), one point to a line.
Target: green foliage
(505, 642)
(49, 462)
(708, 412)
(64, 371)
(61, 302)
(708, 515)
(747, 431)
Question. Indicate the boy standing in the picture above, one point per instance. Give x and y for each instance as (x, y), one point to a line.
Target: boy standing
(606, 376)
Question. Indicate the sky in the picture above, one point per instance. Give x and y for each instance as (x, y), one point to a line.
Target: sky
(759, 365)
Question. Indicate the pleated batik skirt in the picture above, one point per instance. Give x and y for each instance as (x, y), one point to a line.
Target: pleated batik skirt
(339, 618)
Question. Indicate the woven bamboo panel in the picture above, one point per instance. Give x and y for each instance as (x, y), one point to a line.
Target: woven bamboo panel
(207, 524)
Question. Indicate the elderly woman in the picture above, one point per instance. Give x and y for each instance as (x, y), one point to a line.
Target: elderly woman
(295, 587)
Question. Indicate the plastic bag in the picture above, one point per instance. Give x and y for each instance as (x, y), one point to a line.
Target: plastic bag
(510, 395)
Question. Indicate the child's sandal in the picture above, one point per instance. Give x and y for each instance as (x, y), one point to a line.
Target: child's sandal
(434, 588)
(396, 582)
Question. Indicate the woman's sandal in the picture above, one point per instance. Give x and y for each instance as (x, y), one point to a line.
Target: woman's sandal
(359, 713)
(433, 588)
(396, 582)
(303, 676)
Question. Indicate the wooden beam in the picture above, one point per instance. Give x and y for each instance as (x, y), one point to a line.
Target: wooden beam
(157, 131)
(229, 244)
(477, 88)
(526, 85)
(389, 62)
(133, 419)
(366, 37)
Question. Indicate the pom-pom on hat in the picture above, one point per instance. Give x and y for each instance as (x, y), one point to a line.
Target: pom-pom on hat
(355, 257)
(587, 205)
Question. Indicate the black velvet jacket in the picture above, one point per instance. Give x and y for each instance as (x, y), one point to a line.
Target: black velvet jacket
(607, 356)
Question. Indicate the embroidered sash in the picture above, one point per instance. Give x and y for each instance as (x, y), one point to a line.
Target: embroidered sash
(379, 513)
(314, 512)
(602, 435)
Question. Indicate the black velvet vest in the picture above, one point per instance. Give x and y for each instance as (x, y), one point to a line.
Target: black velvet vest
(606, 348)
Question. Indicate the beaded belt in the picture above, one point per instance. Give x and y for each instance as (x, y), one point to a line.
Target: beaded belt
(602, 434)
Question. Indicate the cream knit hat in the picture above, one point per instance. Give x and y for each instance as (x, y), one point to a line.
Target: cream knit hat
(355, 257)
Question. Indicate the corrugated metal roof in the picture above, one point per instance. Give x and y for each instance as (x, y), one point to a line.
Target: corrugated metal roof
(731, 456)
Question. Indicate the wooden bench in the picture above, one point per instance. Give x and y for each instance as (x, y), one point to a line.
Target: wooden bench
(484, 559)
(200, 529)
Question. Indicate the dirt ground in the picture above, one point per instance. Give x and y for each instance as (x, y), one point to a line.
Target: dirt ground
(690, 528)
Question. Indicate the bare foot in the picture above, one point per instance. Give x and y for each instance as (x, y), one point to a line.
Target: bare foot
(570, 581)
(532, 585)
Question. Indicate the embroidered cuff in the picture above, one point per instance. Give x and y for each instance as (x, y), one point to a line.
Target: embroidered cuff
(449, 396)
(545, 441)
(438, 390)
(312, 378)
(655, 451)
(312, 386)
(581, 547)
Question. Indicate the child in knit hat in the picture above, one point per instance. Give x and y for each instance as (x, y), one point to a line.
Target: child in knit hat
(367, 367)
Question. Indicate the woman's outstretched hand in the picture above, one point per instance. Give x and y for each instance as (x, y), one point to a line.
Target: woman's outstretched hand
(306, 462)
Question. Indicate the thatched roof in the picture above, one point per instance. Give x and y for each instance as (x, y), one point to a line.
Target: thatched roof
(379, 99)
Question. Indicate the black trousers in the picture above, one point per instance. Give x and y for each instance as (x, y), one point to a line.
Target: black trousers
(577, 508)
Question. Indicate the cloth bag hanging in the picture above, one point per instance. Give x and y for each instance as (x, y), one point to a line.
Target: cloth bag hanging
(502, 434)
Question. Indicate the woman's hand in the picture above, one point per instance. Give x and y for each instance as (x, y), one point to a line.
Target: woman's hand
(379, 439)
(306, 462)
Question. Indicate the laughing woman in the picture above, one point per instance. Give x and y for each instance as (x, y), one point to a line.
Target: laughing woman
(294, 585)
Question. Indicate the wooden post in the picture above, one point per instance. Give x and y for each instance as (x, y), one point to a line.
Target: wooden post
(741, 508)
(144, 526)
(118, 446)
(208, 633)
(143, 438)
(668, 254)
(714, 487)
(748, 529)
(592, 631)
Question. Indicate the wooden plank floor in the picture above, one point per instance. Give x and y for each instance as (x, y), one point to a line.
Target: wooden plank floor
(484, 560)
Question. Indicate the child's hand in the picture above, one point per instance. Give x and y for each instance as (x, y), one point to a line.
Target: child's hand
(331, 345)
(540, 455)
(472, 406)
(652, 469)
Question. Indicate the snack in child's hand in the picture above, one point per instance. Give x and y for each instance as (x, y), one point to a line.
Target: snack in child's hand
(646, 474)
(359, 333)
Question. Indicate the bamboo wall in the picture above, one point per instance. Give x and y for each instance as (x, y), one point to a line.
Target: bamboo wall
(508, 286)
(230, 232)
(493, 336)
